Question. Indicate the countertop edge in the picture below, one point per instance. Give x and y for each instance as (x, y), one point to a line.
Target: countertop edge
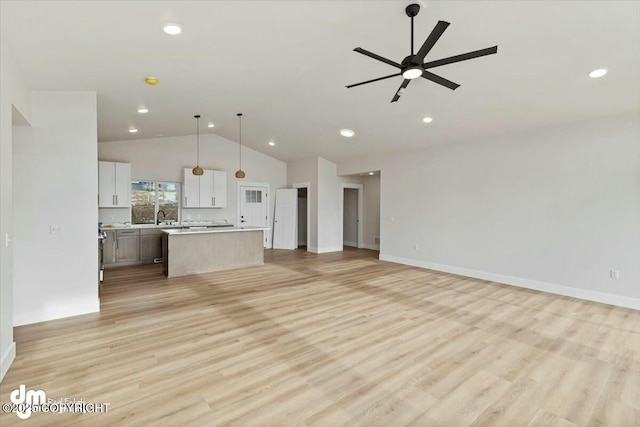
(182, 232)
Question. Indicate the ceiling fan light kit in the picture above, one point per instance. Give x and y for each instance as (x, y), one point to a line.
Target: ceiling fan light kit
(413, 66)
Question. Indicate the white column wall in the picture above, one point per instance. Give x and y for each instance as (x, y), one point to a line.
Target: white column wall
(14, 106)
(55, 186)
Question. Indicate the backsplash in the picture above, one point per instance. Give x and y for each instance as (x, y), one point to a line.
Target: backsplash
(110, 216)
(114, 215)
(208, 215)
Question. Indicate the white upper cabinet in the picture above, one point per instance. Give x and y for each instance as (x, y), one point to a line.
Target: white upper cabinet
(219, 189)
(191, 193)
(123, 185)
(114, 185)
(208, 190)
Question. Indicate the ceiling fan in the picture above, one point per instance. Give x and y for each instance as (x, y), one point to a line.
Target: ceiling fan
(413, 66)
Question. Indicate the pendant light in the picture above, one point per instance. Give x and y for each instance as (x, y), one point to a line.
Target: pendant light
(240, 173)
(197, 170)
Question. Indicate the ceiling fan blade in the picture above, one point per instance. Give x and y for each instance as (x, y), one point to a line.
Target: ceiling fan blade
(401, 89)
(440, 80)
(374, 80)
(378, 57)
(462, 57)
(431, 41)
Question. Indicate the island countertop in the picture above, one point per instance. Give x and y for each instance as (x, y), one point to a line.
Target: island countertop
(207, 230)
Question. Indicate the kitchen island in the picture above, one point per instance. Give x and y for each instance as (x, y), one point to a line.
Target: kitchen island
(203, 250)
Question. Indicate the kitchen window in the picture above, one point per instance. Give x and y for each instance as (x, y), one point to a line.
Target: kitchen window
(153, 201)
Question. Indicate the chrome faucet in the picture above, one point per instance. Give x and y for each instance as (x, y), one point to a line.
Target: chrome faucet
(164, 216)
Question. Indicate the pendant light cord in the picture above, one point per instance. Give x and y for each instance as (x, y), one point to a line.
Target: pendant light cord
(197, 139)
(240, 132)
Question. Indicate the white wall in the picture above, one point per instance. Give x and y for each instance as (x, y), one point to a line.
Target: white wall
(14, 106)
(350, 217)
(553, 210)
(164, 159)
(326, 200)
(329, 207)
(55, 179)
(330, 200)
(371, 211)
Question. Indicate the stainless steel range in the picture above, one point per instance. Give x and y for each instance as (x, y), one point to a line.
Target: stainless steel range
(102, 236)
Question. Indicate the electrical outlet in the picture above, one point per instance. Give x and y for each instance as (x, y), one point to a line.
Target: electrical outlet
(614, 274)
(416, 247)
(55, 229)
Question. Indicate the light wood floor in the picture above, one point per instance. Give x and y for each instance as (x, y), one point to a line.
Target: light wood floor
(333, 340)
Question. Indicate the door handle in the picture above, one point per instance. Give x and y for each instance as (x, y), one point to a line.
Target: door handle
(185, 200)
(213, 201)
(116, 200)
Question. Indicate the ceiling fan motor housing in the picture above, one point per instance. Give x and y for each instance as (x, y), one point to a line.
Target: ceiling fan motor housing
(412, 10)
(409, 61)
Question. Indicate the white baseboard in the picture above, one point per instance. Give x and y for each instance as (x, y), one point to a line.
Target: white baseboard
(350, 243)
(312, 249)
(602, 297)
(59, 311)
(329, 249)
(370, 246)
(7, 360)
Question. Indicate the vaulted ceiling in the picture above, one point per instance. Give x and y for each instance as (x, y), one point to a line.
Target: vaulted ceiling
(285, 64)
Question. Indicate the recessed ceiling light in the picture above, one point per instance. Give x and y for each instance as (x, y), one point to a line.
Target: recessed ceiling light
(159, 135)
(133, 130)
(347, 132)
(143, 110)
(151, 81)
(427, 120)
(172, 29)
(210, 125)
(271, 143)
(372, 173)
(598, 73)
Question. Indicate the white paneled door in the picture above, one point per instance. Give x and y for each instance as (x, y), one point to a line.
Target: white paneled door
(285, 221)
(253, 208)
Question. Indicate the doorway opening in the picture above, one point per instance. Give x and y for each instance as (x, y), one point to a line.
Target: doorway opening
(304, 212)
(350, 218)
(302, 218)
(352, 215)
